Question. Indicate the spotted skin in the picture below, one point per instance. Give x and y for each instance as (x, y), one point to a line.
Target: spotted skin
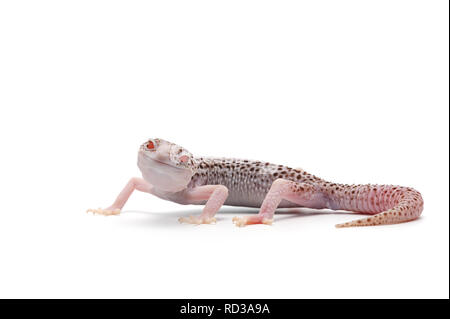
(249, 183)
(172, 173)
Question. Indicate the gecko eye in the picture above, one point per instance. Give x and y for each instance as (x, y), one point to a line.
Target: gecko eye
(150, 145)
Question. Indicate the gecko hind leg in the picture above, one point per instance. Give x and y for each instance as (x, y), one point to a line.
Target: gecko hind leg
(303, 194)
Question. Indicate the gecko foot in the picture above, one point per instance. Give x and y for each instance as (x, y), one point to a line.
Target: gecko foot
(197, 220)
(243, 221)
(105, 212)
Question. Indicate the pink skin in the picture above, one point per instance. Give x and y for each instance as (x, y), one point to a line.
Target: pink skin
(134, 183)
(215, 196)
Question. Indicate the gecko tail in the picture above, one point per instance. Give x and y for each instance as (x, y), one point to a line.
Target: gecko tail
(408, 208)
(391, 216)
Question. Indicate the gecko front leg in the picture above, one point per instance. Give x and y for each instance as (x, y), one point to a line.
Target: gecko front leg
(303, 194)
(134, 183)
(215, 196)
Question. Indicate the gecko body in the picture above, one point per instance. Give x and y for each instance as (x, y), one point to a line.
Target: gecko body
(247, 181)
(172, 173)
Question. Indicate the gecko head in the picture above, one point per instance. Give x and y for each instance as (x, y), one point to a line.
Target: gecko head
(165, 165)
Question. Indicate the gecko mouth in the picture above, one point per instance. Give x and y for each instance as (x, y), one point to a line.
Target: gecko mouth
(160, 162)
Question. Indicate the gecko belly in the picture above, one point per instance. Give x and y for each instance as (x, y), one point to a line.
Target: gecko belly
(253, 200)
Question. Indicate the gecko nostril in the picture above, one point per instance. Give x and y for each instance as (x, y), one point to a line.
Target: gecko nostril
(184, 158)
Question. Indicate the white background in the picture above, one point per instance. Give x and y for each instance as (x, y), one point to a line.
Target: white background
(352, 91)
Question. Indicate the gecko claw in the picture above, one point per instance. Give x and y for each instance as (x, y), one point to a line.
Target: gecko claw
(239, 222)
(197, 220)
(105, 212)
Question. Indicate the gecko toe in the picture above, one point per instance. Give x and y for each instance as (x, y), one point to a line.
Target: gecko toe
(252, 220)
(104, 212)
(197, 220)
(239, 221)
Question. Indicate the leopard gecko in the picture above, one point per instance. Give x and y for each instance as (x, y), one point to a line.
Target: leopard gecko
(172, 173)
